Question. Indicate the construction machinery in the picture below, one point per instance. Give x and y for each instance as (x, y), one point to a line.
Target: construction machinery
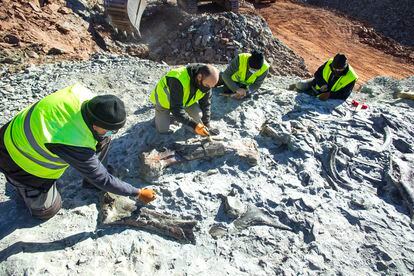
(125, 15)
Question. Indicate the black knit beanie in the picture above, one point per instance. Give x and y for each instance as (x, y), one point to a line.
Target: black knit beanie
(340, 61)
(256, 60)
(106, 111)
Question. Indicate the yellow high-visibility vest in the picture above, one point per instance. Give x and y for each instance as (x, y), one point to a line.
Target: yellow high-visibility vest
(57, 119)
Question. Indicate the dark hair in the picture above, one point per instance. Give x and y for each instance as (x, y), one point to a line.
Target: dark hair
(340, 61)
(256, 60)
(205, 70)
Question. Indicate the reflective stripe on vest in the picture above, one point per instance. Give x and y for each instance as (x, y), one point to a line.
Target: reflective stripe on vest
(56, 119)
(161, 94)
(342, 81)
(240, 75)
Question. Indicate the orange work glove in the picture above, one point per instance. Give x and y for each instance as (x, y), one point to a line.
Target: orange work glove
(146, 195)
(201, 129)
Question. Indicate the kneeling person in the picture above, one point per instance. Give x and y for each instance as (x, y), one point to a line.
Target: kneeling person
(66, 128)
(186, 93)
(244, 75)
(335, 79)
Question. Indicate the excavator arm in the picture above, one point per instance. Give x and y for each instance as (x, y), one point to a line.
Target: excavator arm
(125, 15)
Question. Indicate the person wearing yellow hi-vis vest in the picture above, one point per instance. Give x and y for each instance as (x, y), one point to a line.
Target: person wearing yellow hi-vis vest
(335, 79)
(185, 92)
(244, 75)
(66, 128)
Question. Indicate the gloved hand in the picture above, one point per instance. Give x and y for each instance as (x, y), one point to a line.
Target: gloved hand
(212, 131)
(240, 94)
(324, 88)
(201, 129)
(146, 195)
(324, 96)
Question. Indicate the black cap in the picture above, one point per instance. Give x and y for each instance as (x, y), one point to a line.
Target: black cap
(340, 61)
(256, 60)
(106, 111)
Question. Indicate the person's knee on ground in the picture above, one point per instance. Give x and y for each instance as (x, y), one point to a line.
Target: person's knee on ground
(162, 120)
(41, 204)
(304, 85)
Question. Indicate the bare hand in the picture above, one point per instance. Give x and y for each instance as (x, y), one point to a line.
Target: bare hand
(324, 96)
(240, 94)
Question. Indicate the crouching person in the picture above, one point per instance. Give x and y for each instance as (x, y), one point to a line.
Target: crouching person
(185, 93)
(335, 79)
(67, 128)
(244, 75)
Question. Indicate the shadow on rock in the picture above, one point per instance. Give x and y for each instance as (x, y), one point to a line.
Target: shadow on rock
(33, 247)
(14, 214)
(223, 105)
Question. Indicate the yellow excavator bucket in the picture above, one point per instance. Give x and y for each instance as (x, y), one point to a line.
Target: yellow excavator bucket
(125, 15)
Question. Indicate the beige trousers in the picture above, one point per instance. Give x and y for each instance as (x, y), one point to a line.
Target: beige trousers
(162, 117)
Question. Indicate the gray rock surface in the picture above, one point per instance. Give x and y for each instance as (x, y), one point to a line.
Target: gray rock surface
(364, 230)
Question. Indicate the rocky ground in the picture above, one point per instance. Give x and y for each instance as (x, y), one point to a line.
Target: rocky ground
(345, 218)
(77, 29)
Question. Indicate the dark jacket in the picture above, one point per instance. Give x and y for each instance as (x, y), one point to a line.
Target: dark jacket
(340, 94)
(176, 100)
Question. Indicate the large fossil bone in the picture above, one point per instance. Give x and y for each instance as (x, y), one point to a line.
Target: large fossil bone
(155, 161)
(119, 210)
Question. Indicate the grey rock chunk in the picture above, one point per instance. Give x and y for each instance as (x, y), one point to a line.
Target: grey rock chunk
(234, 207)
(279, 132)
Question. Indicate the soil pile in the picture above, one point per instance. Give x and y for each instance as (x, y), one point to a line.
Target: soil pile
(220, 37)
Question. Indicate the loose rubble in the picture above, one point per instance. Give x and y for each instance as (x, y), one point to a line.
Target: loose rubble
(220, 37)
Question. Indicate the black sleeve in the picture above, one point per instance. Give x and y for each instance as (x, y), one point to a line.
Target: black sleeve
(205, 106)
(343, 93)
(176, 103)
(258, 82)
(319, 76)
(87, 163)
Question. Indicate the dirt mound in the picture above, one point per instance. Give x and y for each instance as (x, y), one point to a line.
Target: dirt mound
(374, 39)
(59, 30)
(31, 32)
(317, 34)
(393, 18)
(219, 37)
